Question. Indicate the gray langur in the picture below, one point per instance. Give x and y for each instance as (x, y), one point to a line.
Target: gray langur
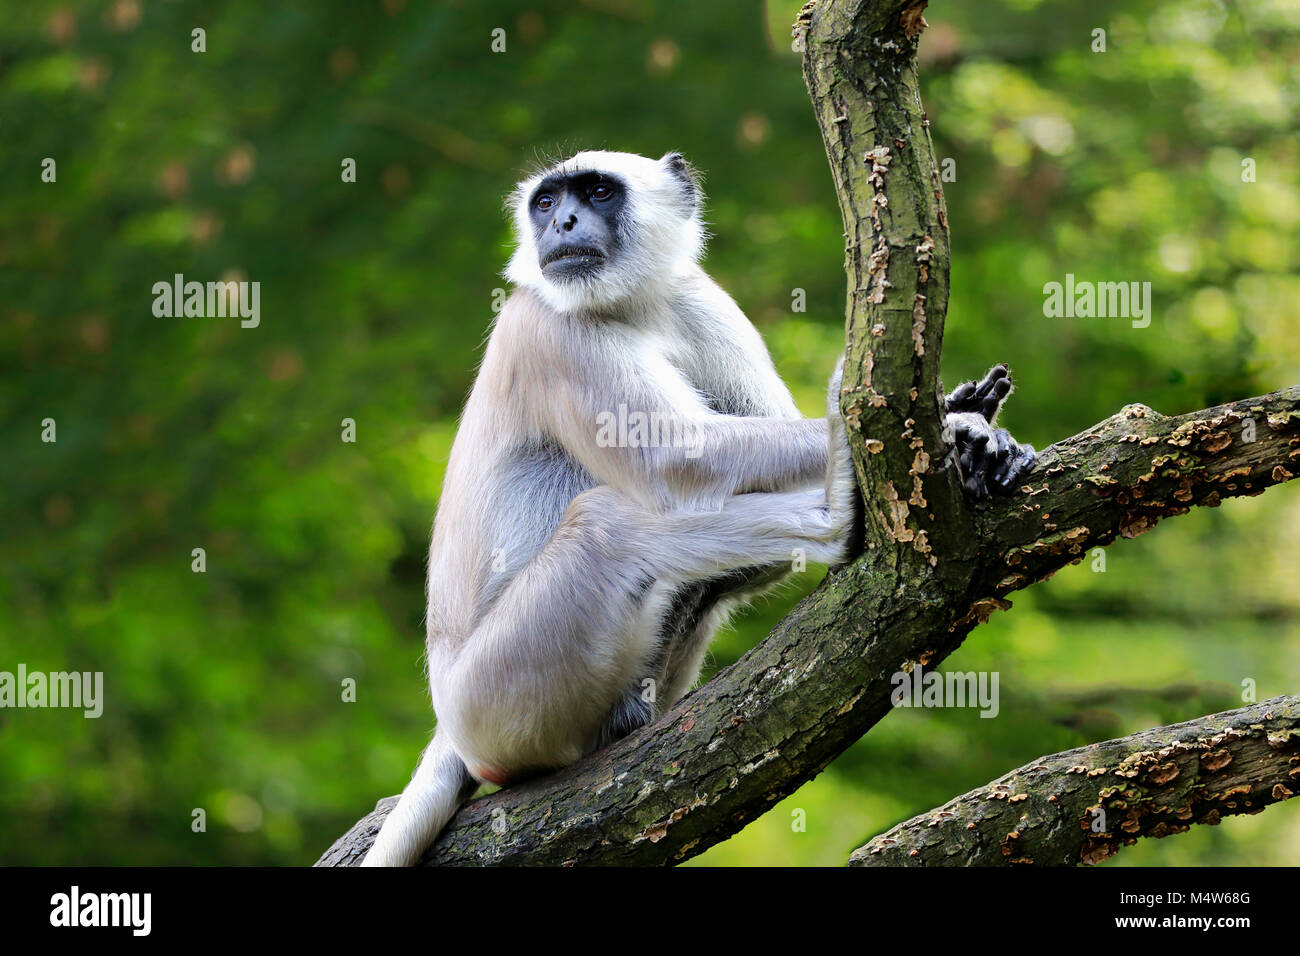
(628, 468)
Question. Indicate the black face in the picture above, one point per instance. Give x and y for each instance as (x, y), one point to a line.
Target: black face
(575, 222)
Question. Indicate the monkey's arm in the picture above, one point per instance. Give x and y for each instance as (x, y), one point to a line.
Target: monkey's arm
(747, 382)
(638, 426)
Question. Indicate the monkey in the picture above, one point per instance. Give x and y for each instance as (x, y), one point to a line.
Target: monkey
(578, 569)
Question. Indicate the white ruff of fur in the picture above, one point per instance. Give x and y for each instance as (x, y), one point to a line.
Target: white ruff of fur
(668, 235)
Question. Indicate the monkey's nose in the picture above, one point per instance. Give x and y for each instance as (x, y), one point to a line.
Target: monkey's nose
(570, 222)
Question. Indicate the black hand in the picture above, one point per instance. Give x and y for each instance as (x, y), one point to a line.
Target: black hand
(991, 461)
(984, 397)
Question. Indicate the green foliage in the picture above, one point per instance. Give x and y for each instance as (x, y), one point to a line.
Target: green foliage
(224, 689)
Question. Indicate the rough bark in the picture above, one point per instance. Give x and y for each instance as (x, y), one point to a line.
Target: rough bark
(1082, 805)
(934, 565)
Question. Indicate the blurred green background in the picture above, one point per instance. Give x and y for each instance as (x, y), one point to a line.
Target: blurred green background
(223, 689)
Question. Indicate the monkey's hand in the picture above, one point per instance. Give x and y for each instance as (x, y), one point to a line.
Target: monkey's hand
(989, 459)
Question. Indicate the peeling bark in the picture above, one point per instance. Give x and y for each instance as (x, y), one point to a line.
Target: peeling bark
(1083, 805)
(934, 566)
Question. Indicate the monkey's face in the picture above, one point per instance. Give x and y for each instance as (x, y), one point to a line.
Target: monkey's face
(602, 228)
(576, 219)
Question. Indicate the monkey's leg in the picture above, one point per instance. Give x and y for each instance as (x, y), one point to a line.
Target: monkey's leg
(685, 656)
(532, 686)
(685, 632)
(699, 609)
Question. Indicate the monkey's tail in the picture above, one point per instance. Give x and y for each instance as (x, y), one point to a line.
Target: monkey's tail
(440, 785)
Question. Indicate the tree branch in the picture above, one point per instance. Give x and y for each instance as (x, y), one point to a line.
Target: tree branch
(1082, 805)
(859, 65)
(934, 567)
(1123, 475)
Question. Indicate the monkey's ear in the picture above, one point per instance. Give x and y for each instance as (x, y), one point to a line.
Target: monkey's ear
(684, 173)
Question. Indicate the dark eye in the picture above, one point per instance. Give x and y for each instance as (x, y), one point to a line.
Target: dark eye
(601, 192)
(545, 202)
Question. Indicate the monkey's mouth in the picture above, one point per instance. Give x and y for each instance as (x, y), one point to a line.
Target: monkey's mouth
(573, 256)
